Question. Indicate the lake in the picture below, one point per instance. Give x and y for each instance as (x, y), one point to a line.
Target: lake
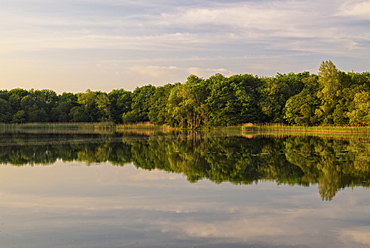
(183, 190)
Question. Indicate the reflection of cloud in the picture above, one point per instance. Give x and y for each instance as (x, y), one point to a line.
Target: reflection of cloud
(156, 200)
(154, 175)
(235, 229)
(360, 235)
(260, 225)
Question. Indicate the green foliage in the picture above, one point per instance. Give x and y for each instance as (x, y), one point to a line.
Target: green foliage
(231, 100)
(180, 106)
(158, 113)
(62, 109)
(361, 112)
(331, 97)
(300, 108)
(5, 111)
(15, 97)
(186, 106)
(333, 104)
(79, 114)
(246, 92)
(20, 117)
(276, 91)
(120, 102)
(92, 106)
(141, 100)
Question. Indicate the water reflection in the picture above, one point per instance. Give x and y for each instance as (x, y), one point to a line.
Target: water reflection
(332, 164)
(67, 205)
(145, 200)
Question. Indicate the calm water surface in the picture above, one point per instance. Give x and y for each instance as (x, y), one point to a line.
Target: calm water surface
(183, 191)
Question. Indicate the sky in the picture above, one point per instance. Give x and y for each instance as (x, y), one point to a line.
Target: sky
(75, 45)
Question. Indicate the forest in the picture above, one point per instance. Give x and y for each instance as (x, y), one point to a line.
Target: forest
(330, 97)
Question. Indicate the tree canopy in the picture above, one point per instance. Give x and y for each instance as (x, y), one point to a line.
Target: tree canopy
(331, 97)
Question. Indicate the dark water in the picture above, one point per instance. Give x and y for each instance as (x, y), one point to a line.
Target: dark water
(183, 190)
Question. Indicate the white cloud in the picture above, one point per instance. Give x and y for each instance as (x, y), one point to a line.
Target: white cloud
(272, 23)
(311, 26)
(74, 40)
(356, 9)
(206, 72)
(246, 16)
(288, 17)
(155, 71)
(168, 40)
(170, 71)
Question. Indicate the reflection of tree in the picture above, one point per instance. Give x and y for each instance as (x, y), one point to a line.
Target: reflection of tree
(333, 164)
(234, 159)
(28, 155)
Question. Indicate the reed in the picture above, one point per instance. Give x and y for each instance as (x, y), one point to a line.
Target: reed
(143, 126)
(320, 128)
(100, 127)
(324, 131)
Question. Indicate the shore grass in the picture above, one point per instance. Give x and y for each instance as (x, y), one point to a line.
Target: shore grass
(149, 128)
(100, 127)
(337, 131)
(144, 126)
(293, 128)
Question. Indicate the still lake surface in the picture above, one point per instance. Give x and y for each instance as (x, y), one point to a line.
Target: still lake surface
(183, 190)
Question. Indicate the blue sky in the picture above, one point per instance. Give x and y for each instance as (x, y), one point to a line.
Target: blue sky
(74, 45)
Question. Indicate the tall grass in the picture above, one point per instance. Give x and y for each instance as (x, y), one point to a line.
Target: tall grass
(339, 131)
(320, 128)
(147, 126)
(100, 127)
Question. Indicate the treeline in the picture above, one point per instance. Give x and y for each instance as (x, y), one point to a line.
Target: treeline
(331, 97)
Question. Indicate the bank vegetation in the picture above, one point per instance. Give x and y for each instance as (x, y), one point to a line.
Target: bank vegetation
(332, 97)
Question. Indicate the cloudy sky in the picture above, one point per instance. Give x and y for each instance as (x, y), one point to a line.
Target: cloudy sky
(74, 45)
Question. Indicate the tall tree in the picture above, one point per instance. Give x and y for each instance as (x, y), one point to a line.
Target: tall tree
(86, 111)
(66, 101)
(141, 100)
(120, 102)
(361, 112)
(15, 97)
(186, 104)
(221, 101)
(276, 91)
(158, 113)
(38, 104)
(5, 111)
(300, 108)
(333, 103)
